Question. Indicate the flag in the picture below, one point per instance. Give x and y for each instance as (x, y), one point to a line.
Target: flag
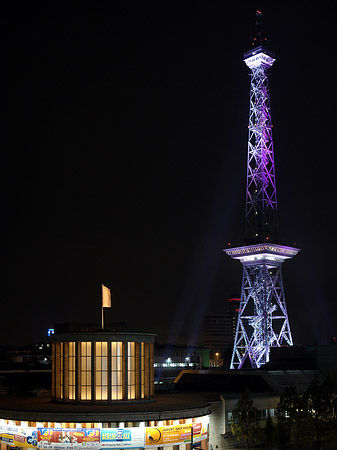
(106, 297)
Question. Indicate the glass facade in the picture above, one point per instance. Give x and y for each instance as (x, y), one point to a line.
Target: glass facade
(131, 371)
(142, 370)
(61, 369)
(96, 370)
(116, 371)
(71, 371)
(85, 392)
(101, 370)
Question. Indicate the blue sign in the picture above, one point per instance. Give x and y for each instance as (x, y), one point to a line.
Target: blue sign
(115, 435)
(126, 438)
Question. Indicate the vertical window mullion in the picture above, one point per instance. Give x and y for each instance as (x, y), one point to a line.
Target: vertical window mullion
(142, 370)
(116, 371)
(131, 371)
(71, 371)
(101, 371)
(86, 367)
(61, 370)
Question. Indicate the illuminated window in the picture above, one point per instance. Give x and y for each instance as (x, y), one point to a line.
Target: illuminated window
(61, 370)
(101, 370)
(116, 371)
(142, 369)
(71, 371)
(85, 370)
(131, 370)
(110, 371)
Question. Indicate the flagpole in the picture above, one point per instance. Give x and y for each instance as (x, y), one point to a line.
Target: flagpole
(102, 307)
(106, 301)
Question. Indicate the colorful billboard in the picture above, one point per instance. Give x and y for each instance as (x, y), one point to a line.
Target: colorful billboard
(18, 436)
(68, 438)
(122, 437)
(176, 434)
(101, 438)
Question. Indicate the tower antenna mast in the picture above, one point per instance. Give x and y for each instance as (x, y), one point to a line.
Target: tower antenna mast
(262, 319)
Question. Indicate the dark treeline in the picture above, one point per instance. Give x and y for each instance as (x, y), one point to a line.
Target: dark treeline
(304, 420)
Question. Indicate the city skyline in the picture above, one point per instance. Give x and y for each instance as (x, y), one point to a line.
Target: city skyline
(126, 163)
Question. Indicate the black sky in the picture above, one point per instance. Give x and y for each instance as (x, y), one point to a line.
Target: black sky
(124, 162)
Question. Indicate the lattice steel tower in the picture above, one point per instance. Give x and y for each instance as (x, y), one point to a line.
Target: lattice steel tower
(262, 320)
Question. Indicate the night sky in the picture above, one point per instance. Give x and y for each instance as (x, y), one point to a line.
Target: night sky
(123, 162)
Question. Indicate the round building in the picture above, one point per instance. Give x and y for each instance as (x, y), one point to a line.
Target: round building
(102, 396)
(102, 367)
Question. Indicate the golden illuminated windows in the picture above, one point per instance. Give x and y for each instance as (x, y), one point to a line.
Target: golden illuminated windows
(131, 370)
(85, 371)
(71, 371)
(116, 371)
(101, 370)
(90, 370)
(61, 370)
(142, 370)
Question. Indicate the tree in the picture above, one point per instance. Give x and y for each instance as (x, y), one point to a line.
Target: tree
(277, 436)
(269, 432)
(245, 423)
(318, 398)
(294, 418)
(330, 425)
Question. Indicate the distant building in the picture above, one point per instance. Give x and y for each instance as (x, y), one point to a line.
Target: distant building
(169, 360)
(318, 357)
(219, 333)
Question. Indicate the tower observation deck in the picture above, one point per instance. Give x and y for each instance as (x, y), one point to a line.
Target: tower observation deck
(263, 319)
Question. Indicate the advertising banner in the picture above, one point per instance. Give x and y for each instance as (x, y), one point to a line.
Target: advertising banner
(101, 438)
(175, 434)
(122, 437)
(18, 436)
(68, 438)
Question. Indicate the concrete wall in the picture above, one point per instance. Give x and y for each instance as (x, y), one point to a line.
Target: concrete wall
(216, 425)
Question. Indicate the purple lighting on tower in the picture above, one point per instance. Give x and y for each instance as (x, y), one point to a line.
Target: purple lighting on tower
(262, 320)
(261, 201)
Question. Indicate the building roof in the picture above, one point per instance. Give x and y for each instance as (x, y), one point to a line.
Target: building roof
(164, 407)
(235, 381)
(224, 381)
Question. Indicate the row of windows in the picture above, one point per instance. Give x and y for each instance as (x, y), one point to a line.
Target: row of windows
(97, 384)
(262, 414)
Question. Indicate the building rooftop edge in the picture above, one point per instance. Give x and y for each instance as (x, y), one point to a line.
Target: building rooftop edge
(260, 49)
(266, 247)
(104, 334)
(34, 409)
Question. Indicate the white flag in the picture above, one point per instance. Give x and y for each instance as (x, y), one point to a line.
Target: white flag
(106, 297)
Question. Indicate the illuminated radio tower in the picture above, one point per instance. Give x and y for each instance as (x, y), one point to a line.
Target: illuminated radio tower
(262, 319)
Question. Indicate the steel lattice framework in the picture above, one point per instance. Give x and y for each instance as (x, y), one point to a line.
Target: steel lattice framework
(261, 201)
(262, 320)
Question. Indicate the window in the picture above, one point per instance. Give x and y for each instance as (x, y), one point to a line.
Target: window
(262, 414)
(116, 371)
(101, 370)
(85, 371)
(131, 370)
(61, 370)
(71, 371)
(142, 370)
